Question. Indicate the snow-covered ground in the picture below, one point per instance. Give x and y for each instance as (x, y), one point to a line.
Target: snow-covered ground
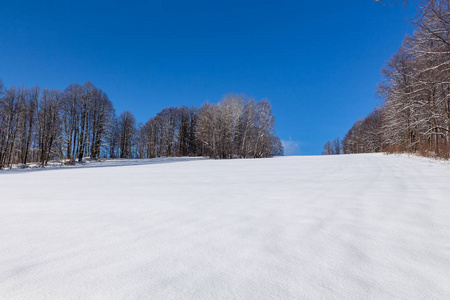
(325, 227)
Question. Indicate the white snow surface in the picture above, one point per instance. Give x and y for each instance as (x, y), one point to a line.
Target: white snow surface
(322, 227)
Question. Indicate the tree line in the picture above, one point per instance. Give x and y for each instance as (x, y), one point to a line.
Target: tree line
(415, 114)
(41, 125)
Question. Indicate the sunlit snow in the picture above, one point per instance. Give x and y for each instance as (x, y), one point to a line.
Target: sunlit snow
(345, 227)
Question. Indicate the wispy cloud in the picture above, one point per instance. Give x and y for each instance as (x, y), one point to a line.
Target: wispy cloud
(291, 147)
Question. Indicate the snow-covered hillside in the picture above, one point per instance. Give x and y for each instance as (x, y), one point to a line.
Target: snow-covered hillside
(345, 227)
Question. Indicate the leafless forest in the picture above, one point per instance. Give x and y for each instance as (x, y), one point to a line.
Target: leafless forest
(415, 114)
(38, 126)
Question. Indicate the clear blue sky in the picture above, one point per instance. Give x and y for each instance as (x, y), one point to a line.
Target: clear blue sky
(318, 62)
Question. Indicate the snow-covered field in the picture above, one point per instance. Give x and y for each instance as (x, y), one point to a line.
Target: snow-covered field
(334, 227)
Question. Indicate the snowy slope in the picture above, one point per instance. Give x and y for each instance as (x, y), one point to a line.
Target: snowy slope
(336, 227)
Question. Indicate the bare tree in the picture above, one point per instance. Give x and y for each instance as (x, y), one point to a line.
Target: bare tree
(337, 145)
(328, 148)
(127, 129)
(10, 107)
(49, 123)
